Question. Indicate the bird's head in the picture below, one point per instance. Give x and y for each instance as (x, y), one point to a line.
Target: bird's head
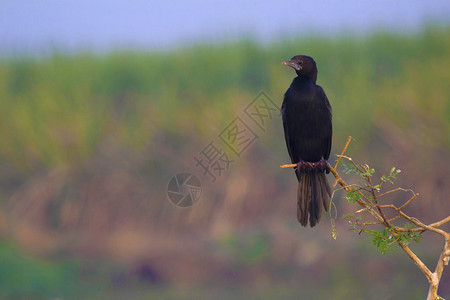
(303, 65)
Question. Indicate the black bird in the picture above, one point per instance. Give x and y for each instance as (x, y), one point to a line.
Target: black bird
(306, 114)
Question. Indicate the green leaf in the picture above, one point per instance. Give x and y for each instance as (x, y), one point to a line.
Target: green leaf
(352, 196)
(348, 168)
(368, 173)
(334, 233)
(406, 237)
(383, 240)
(385, 178)
(392, 175)
(392, 171)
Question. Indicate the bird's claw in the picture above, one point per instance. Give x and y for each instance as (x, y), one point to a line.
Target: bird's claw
(305, 166)
(321, 165)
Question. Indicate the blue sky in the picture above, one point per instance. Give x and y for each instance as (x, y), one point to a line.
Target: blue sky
(108, 24)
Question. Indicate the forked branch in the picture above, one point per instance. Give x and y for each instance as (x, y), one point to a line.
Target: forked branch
(368, 196)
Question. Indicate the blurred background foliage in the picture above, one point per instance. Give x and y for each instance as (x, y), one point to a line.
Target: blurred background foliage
(90, 141)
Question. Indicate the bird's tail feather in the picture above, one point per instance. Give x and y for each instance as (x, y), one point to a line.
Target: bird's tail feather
(313, 192)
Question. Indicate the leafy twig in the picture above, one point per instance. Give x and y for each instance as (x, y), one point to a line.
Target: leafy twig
(367, 197)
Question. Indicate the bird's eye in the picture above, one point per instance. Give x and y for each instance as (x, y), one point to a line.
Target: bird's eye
(300, 63)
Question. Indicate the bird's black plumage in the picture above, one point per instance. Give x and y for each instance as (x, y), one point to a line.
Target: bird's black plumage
(306, 114)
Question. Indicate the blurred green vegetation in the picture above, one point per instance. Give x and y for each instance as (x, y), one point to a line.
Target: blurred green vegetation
(58, 109)
(144, 115)
(24, 277)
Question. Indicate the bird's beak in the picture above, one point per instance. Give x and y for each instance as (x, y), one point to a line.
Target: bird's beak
(292, 64)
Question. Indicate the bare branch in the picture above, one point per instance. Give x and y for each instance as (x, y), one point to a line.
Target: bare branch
(394, 218)
(342, 153)
(443, 261)
(417, 261)
(440, 223)
(288, 166)
(409, 201)
(395, 190)
(415, 221)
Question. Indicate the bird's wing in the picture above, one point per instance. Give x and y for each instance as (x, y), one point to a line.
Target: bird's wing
(326, 102)
(287, 135)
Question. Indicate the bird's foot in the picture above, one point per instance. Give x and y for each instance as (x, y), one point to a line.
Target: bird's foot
(305, 166)
(321, 165)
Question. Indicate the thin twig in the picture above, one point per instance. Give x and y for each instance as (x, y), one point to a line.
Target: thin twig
(395, 190)
(415, 221)
(347, 188)
(288, 166)
(440, 223)
(342, 153)
(409, 201)
(351, 160)
(394, 218)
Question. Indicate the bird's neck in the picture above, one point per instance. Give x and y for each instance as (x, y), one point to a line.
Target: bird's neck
(307, 77)
(311, 76)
